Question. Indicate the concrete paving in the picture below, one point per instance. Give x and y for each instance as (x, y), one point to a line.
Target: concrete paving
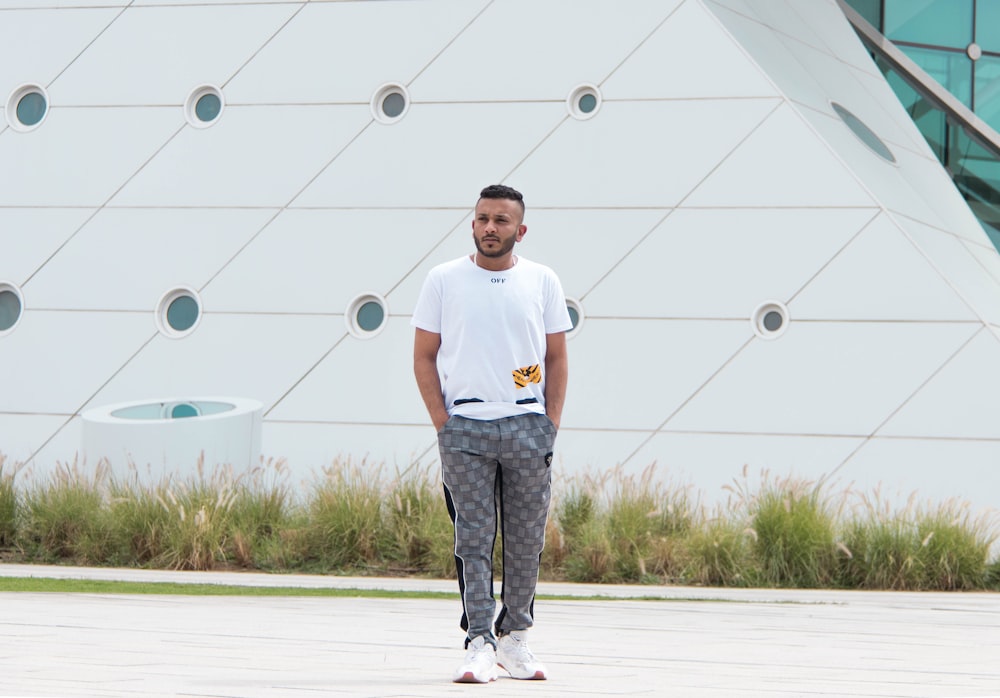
(686, 642)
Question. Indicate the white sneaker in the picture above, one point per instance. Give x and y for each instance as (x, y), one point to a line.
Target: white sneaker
(514, 656)
(480, 665)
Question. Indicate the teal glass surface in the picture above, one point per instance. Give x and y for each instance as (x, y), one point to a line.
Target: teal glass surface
(987, 99)
(934, 22)
(370, 316)
(10, 310)
(207, 107)
(393, 104)
(587, 103)
(928, 118)
(31, 108)
(953, 70)
(988, 25)
(182, 313)
(574, 316)
(871, 10)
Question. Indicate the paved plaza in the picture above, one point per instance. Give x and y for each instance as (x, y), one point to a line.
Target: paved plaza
(643, 641)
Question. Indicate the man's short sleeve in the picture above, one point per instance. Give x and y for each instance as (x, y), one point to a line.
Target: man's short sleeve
(427, 312)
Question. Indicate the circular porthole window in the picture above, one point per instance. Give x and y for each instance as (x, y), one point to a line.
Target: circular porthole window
(390, 103)
(180, 410)
(204, 106)
(583, 102)
(11, 307)
(770, 320)
(366, 315)
(864, 134)
(178, 312)
(27, 107)
(575, 315)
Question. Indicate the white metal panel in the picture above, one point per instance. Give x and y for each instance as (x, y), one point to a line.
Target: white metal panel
(714, 65)
(307, 448)
(830, 378)
(632, 374)
(961, 401)
(916, 186)
(254, 156)
(317, 261)
(956, 262)
(935, 471)
(562, 239)
(780, 16)
(126, 259)
(36, 45)
(360, 381)
(250, 356)
(457, 243)
(158, 55)
(835, 33)
(29, 236)
(880, 275)
(80, 157)
(782, 163)
(723, 263)
(22, 434)
(432, 157)
(638, 154)
(343, 51)
(54, 361)
(771, 51)
(57, 453)
(579, 452)
(505, 54)
(714, 463)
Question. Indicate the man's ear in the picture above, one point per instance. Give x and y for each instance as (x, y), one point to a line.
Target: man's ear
(522, 230)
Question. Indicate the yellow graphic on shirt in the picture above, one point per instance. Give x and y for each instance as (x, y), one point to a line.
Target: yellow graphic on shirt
(528, 374)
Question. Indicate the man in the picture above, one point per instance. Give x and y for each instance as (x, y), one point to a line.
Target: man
(490, 361)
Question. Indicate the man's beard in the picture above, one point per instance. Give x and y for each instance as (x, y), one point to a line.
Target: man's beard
(505, 248)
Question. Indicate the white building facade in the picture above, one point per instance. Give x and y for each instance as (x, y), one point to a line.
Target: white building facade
(767, 264)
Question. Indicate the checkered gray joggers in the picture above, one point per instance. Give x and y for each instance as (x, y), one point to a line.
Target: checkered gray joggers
(489, 465)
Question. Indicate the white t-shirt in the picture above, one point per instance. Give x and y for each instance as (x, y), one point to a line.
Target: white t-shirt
(492, 326)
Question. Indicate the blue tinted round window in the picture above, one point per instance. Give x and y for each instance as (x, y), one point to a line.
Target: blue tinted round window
(393, 104)
(31, 108)
(182, 313)
(587, 103)
(207, 107)
(10, 310)
(773, 321)
(862, 131)
(183, 410)
(370, 316)
(574, 315)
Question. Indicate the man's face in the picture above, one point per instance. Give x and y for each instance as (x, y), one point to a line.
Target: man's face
(497, 226)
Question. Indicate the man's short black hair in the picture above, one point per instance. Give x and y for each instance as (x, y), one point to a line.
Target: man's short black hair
(502, 191)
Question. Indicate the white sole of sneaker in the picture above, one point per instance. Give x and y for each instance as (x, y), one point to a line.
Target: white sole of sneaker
(469, 677)
(537, 676)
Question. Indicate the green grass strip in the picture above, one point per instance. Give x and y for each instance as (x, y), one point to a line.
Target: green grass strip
(99, 586)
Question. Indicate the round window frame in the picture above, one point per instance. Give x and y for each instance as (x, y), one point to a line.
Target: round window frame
(15, 97)
(581, 316)
(13, 288)
(380, 95)
(191, 105)
(351, 315)
(163, 307)
(576, 94)
(761, 312)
